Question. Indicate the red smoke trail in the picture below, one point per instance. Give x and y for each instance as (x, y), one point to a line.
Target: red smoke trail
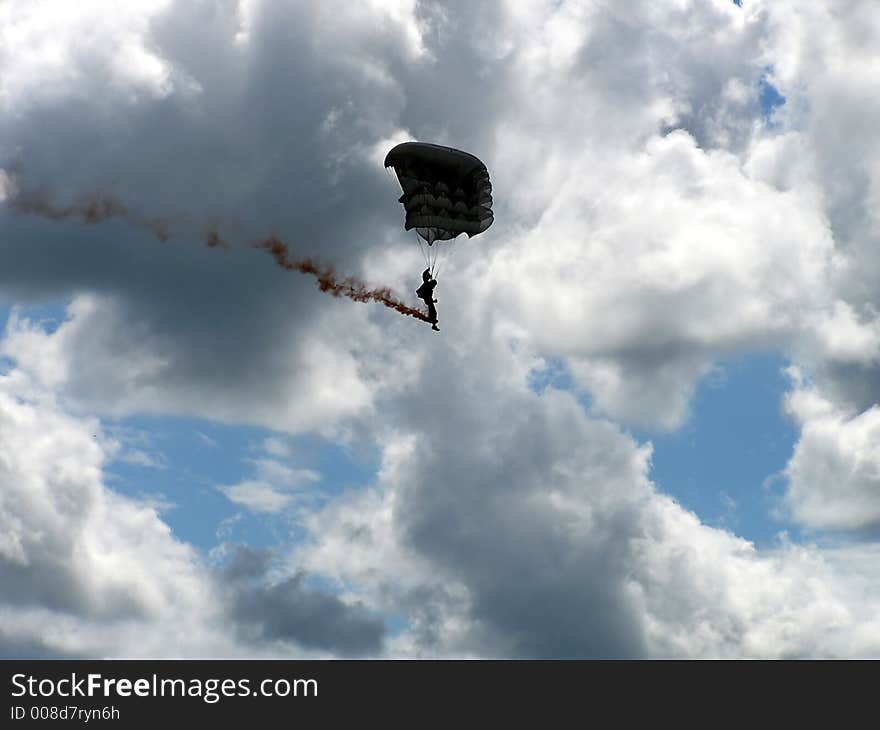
(348, 287)
(213, 240)
(96, 209)
(100, 208)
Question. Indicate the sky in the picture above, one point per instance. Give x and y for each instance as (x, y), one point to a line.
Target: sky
(648, 425)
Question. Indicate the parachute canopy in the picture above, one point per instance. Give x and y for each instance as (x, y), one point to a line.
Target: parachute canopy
(446, 192)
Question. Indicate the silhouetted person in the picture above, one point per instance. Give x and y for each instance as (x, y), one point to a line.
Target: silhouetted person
(426, 293)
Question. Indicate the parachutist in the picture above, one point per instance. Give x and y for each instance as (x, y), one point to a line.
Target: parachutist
(446, 192)
(426, 293)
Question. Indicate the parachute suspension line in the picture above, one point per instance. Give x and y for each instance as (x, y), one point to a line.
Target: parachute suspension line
(430, 252)
(435, 259)
(394, 185)
(424, 253)
(452, 248)
(444, 259)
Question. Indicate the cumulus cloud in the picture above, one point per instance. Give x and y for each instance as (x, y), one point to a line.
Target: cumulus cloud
(108, 355)
(286, 610)
(649, 221)
(532, 530)
(823, 66)
(274, 486)
(89, 572)
(83, 567)
(663, 246)
(834, 472)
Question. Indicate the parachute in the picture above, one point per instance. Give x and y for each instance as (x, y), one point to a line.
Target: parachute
(446, 192)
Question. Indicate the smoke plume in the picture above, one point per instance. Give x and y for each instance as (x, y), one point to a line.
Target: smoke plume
(100, 208)
(348, 287)
(95, 209)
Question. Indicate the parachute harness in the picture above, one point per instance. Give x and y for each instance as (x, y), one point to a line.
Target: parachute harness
(426, 255)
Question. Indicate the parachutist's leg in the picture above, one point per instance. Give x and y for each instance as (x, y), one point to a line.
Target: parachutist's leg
(432, 315)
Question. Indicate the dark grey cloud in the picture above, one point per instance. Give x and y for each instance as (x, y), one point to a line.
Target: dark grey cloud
(477, 506)
(290, 611)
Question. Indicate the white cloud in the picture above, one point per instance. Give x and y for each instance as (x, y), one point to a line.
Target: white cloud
(53, 51)
(664, 262)
(274, 490)
(823, 63)
(88, 572)
(257, 496)
(834, 472)
(102, 356)
(708, 594)
(7, 186)
(276, 485)
(495, 545)
(137, 457)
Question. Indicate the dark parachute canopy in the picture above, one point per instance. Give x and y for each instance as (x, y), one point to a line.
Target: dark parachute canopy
(446, 192)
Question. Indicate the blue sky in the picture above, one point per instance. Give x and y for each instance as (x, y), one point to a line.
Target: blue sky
(726, 463)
